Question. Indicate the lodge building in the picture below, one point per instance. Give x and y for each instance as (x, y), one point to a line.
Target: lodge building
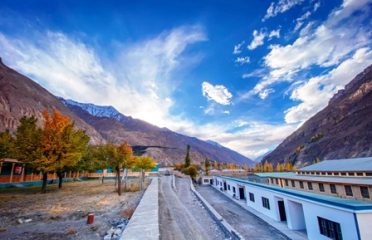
(327, 200)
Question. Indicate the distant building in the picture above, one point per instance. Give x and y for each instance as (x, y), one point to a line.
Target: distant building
(327, 200)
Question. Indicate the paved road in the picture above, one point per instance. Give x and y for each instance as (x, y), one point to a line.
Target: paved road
(247, 224)
(182, 216)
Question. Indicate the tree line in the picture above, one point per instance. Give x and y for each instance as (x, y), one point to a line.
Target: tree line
(58, 147)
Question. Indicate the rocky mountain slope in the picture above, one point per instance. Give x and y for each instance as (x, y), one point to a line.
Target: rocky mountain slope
(161, 143)
(21, 96)
(343, 129)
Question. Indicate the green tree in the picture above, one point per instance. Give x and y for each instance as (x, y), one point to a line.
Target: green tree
(207, 165)
(187, 158)
(125, 155)
(144, 163)
(7, 145)
(192, 171)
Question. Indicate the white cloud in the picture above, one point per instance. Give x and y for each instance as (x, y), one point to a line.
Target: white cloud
(242, 60)
(274, 33)
(238, 48)
(218, 93)
(325, 45)
(316, 6)
(258, 39)
(265, 93)
(315, 93)
(300, 21)
(280, 7)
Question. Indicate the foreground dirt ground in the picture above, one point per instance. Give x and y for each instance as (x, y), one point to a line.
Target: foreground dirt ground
(62, 214)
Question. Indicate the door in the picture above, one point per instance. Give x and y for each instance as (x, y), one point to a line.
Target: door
(241, 193)
(282, 211)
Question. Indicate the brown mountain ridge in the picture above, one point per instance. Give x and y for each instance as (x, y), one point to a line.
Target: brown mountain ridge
(343, 129)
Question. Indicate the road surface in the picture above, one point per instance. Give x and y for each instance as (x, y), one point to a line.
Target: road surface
(247, 224)
(181, 214)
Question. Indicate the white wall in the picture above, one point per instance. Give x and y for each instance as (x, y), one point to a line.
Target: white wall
(365, 225)
(295, 215)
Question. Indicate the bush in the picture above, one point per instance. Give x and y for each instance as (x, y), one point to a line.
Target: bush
(192, 171)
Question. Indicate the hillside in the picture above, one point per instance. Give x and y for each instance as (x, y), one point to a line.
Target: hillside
(343, 129)
(21, 96)
(164, 145)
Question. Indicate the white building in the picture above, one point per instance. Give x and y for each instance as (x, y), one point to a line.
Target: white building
(320, 216)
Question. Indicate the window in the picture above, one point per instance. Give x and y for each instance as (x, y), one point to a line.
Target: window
(272, 181)
(329, 173)
(348, 191)
(293, 183)
(206, 180)
(364, 191)
(286, 182)
(359, 174)
(276, 181)
(333, 188)
(330, 229)
(309, 185)
(321, 187)
(265, 203)
(228, 187)
(251, 197)
(369, 174)
(234, 189)
(343, 174)
(351, 174)
(301, 184)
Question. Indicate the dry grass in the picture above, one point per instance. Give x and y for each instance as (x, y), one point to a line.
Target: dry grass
(127, 213)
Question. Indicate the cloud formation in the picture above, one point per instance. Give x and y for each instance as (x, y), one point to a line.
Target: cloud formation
(325, 45)
(218, 93)
(280, 7)
(238, 48)
(258, 39)
(242, 60)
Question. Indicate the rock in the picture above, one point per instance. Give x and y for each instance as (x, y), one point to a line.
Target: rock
(118, 232)
(28, 220)
(20, 221)
(107, 237)
(111, 231)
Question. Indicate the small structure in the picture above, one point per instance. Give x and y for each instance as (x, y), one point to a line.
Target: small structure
(11, 170)
(207, 180)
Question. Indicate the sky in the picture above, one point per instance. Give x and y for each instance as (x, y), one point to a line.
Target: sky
(245, 74)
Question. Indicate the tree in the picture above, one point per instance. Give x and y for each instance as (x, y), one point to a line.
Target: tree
(7, 145)
(192, 171)
(187, 158)
(74, 145)
(125, 154)
(215, 165)
(207, 165)
(144, 163)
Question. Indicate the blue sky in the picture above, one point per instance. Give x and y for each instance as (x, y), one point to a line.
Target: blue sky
(242, 73)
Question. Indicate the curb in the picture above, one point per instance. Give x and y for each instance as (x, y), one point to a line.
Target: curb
(219, 219)
(173, 182)
(144, 223)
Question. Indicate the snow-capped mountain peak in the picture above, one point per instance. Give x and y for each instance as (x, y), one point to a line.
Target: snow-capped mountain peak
(98, 111)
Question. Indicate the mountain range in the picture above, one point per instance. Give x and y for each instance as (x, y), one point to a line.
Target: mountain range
(21, 96)
(343, 129)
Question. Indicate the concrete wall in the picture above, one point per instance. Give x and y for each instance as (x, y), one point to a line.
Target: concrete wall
(303, 214)
(365, 225)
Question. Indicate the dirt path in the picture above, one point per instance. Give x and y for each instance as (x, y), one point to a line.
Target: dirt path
(247, 224)
(182, 216)
(61, 214)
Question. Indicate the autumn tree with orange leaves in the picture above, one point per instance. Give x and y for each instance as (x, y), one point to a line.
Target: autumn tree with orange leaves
(62, 146)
